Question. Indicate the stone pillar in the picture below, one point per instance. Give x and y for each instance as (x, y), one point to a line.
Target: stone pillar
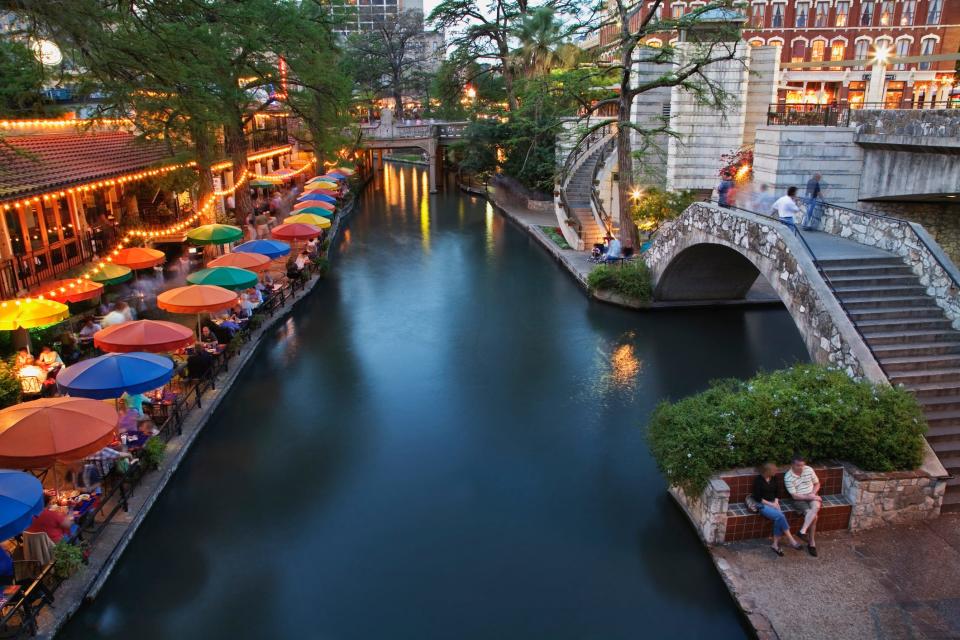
(906, 101)
(433, 172)
(843, 95)
(878, 81)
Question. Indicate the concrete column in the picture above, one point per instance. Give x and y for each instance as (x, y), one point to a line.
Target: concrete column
(906, 101)
(432, 182)
(878, 82)
(843, 95)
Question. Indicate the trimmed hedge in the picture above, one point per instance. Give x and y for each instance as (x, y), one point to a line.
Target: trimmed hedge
(819, 412)
(630, 279)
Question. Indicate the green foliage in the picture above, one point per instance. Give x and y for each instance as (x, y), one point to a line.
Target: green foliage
(256, 321)
(234, 346)
(10, 390)
(21, 91)
(153, 452)
(554, 234)
(657, 206)
(322, 266)
(630, 279)
(67, 559)
(821, 413)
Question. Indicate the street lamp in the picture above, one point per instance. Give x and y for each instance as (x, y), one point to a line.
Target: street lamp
(881, 55)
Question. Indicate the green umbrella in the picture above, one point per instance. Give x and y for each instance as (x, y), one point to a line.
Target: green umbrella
(317, 211)
(262, 183)
(233, 278)
(215, 234)
(112, 274)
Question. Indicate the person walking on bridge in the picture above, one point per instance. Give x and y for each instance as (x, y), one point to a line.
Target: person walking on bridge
(786, 208)
(814, 203)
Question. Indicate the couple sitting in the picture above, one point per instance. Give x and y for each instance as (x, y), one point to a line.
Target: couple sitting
(803, 485)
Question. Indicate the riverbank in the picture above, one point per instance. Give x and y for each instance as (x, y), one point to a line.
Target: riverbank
(119, 532)
(578, 264)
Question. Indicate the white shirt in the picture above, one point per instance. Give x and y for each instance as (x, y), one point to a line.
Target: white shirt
(112, 318)
(786, 207)
(803, 484)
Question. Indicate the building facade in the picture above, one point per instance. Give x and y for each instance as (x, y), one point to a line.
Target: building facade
(362, 15)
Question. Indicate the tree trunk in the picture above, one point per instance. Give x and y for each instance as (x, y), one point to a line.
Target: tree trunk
(628, 230)
(236, 147)
(204, 147)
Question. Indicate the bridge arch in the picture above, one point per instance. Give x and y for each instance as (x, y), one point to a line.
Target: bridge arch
(710, 253)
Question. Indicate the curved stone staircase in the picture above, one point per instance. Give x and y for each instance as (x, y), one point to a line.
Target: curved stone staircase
(578, 190)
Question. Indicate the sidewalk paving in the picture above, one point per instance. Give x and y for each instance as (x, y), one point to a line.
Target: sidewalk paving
(889, 583)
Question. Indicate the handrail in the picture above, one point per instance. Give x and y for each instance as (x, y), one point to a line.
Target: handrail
(580, 149)
(594, 192)
(823, 275)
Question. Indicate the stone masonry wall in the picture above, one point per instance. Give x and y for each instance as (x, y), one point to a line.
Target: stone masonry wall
(940, 219)
(891, 498)
(782, 260)
(707, 511)
(908, 240)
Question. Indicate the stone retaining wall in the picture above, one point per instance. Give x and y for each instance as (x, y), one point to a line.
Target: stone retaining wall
(708, 511)
(891, 498)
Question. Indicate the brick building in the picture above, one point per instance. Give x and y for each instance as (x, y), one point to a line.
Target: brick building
(845, 32)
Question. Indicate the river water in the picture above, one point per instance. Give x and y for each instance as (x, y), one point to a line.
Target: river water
(446, 440)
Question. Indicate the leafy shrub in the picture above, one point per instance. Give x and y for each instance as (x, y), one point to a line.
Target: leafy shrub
(67, 559)
(153, 451)
(630, 279)
(322, 265)
(554, 234)
(822, 413)
(10, 391)
(256, 321)
(656, 206)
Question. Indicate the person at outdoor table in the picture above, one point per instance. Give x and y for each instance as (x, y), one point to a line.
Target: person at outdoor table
(69, 347)
(106, 458)
(89, 328)
(255, 297)
(6, 562)
(207, 338)
(23, 359)
(135, 401)
(262, 222)
(302, 260)
(613, 250)
(49, 360)
(115, 316)
(199, 364)
(313, 247)
(51, 522)
(246, 306)
(803, 485)
(765, 496)
(127, 311)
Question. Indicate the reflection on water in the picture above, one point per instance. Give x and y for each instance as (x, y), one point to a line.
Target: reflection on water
(440, 444)
(425, 214)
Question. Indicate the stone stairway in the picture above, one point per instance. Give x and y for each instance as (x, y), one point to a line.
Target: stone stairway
(578, 196)
(912, 339)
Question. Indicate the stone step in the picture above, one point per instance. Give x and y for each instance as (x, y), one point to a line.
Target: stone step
(918, 349)
(909, 338)
(848, 282)
(923, 376)
(938, 432)
(894, 313)
(947, 448)
(951, 462)
(892, 269)
(939, 404)
(873, 261)
(906, 324)
(951, 501)
(949, 391)
(892, 302)
(860, 292)
(918, 363)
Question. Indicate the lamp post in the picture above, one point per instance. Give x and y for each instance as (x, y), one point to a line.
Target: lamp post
(878, 73)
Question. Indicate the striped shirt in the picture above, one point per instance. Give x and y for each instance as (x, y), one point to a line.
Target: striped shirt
(803, 484)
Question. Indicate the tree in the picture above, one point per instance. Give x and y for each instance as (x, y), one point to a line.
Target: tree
(21, 91)
(390, 57)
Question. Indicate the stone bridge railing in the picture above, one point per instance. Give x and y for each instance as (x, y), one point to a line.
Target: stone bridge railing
(383, 131)
(781, 257)
(925, 123)
(908, 240)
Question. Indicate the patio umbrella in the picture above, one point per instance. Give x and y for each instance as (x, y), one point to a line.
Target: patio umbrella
(233, 278)
(36, 434)
(112, 274)
(313, 196)
(333, 177)
(215, 234)
(65, 291)
(325, 185)
(111, 375)
(253, 261)
(139, 258)
(296, 231)
(30, 313)
(154, 336)
(319, 208)
(271, 248)
(260, 183)
(345, 170)
(21, 498)
(309, 218)
(196, 299)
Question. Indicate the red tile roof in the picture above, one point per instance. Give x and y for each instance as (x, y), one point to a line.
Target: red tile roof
(33, 164)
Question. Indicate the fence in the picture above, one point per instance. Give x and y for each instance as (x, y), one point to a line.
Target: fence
(841, 115)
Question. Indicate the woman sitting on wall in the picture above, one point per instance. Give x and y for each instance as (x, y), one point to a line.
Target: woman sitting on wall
(766, 503)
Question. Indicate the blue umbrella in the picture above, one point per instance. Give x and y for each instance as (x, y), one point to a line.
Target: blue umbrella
(317, 196)
(21, 498)
(270, 248)
(111, 375)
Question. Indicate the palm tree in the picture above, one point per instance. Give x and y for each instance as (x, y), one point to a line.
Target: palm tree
(541, 44)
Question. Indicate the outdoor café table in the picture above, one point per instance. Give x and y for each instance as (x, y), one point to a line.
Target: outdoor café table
(8, 596)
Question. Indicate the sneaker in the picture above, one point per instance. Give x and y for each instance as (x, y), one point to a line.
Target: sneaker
(812, 551)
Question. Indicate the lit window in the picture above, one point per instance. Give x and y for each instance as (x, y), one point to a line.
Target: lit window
(907, 12)
(803, 11)
(822, 14)
(757, 15)
(843, 10)
(866, 14)
(798, 51)
(933, 12)
(926, 49)
(816, 51)
(837, 51)
(886, 13)
(756, 42)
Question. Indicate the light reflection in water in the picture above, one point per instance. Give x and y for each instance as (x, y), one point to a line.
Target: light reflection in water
(424, 213)
(286, 343)
(488, 235)
(618, 370)
(403, 188)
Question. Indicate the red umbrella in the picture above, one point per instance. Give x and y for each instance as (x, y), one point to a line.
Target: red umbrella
(36, 434)
(139, 257)
(153, 336)
(76, 290)
(296, 231)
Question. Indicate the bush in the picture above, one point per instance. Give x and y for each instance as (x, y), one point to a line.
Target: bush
(630, 279)
(556, 235)
(656, 206)
(822, 413)
(322, 265)
(67, 559)
(10, 391)
(153, 451)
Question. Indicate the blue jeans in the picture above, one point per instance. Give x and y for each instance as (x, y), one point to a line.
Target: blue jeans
(780, 525)
(814, 212)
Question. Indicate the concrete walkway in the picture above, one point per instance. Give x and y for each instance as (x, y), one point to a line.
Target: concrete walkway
(888, 583)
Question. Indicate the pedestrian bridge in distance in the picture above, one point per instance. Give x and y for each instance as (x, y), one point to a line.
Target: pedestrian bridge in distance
(430, 137)
(873, 295)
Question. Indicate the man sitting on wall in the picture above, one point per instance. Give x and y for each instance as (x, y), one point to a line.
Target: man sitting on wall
(803, 485)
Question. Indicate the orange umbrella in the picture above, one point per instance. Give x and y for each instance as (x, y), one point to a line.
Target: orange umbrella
(196, 298)
(315, 203)
(251, 261)
(139, 258)
(36, 434)
(153, 336)
(65, 291)
(296, 231)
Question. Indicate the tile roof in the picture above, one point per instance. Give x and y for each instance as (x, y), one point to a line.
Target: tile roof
(33, 164)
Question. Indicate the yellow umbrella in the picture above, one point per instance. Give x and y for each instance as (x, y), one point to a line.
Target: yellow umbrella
(323, 184)
(30, 313)
(309, 218)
